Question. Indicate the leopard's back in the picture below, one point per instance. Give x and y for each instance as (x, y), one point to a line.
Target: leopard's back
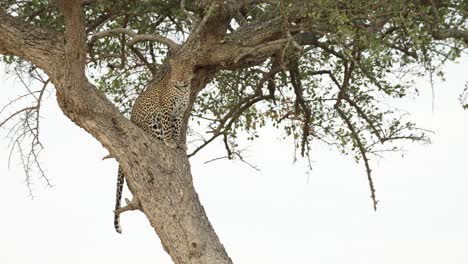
(147, 110)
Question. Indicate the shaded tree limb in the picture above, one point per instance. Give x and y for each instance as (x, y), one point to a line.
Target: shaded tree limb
(441, 34)
(135, 38)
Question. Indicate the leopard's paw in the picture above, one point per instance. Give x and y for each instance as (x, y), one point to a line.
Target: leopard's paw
(170, 143)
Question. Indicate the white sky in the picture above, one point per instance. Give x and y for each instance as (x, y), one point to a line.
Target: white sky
(278, 215)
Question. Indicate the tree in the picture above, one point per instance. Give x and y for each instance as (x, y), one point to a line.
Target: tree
(319, 70)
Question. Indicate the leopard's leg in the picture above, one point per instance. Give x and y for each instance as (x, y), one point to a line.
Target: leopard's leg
(166, 123)
(155, 128)
(176, 127)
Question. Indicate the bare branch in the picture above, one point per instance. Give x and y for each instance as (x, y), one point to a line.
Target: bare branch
(16, 113)
(238, 155)
(241, 158)
(215, 159)
(24, 133)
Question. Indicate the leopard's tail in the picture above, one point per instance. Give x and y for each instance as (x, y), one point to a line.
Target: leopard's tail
(120, 184)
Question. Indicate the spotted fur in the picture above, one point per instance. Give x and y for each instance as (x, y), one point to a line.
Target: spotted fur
(159, 111)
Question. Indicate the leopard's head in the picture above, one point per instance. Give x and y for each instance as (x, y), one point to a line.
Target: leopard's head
(182, 75)
(182, 84)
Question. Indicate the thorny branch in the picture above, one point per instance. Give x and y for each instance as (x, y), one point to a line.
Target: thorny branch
(24, 131)
(363, 152)
(342, 94)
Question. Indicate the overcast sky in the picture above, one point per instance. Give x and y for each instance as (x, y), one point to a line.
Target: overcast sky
(277, 215)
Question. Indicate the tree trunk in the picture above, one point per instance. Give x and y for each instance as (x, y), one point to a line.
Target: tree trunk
(158, 177)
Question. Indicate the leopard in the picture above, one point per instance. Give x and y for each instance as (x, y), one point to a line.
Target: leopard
(159, 111)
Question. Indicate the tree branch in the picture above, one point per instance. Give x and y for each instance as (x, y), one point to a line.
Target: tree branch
(193, 19)
(135, 38)
(363, 152)
(297, 85)
(342, 94)
(40, 46)
(441, 34)
(360, 111)
(132, 205)
(24, 133)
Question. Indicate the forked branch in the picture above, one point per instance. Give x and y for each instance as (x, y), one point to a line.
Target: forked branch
(24, 132)
(342, 95)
